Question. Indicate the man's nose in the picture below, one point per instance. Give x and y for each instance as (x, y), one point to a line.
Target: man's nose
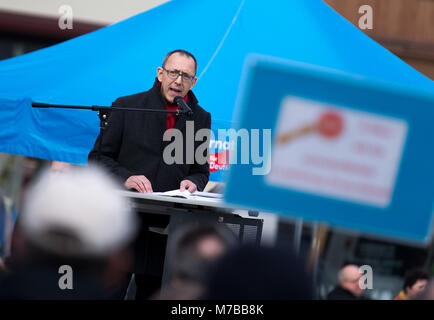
(178, 79)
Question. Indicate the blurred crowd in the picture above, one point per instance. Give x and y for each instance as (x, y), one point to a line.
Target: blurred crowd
(72, 240)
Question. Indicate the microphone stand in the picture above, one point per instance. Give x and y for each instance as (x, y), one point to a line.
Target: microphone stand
(104, 114)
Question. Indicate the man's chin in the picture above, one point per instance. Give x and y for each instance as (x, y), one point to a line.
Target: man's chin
(169, 99)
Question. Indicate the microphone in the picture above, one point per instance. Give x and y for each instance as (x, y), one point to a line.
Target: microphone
(179, 101)
(40, 105)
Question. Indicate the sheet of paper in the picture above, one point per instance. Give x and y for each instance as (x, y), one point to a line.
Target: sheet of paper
(174, 193)
(204, 196)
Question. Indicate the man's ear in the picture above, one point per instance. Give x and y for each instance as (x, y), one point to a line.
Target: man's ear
(193, 83)
(160, 74)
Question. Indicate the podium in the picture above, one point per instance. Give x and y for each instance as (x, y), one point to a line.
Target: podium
(245, 224)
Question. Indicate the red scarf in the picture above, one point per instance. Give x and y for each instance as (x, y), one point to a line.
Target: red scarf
(171, 117)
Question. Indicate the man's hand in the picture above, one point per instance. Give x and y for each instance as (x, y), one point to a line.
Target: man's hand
(140, 183)
(188, 185)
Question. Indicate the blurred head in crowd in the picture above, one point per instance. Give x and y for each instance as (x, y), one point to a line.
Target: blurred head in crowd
(196, 247)
(349, 277)
(76, 218)
(259, 273)
(415, 281)
(192, 253)
(77, 213)
(428, 293)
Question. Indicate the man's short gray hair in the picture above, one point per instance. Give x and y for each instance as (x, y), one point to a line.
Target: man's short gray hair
(182, 52)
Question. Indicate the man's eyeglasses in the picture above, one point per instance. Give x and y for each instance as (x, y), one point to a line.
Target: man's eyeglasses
(173, 74)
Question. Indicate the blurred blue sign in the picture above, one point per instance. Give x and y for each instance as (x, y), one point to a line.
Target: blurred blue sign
(346, 150)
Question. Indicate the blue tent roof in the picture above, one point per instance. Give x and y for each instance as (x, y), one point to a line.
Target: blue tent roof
(121, 59)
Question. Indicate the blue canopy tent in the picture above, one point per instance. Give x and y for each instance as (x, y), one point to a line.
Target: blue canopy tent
(121, 59)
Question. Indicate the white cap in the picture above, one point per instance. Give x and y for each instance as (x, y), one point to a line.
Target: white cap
(83, 203)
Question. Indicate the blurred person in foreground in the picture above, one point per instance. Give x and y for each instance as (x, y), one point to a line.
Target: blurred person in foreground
(259, 273)
(349, 287)
(192, 253)
(415, 281)
(74, 229)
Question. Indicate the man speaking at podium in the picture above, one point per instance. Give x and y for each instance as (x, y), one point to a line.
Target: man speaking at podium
(132, 149)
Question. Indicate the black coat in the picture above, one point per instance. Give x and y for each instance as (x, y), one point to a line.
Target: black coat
(339, 293)
(133, 142)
